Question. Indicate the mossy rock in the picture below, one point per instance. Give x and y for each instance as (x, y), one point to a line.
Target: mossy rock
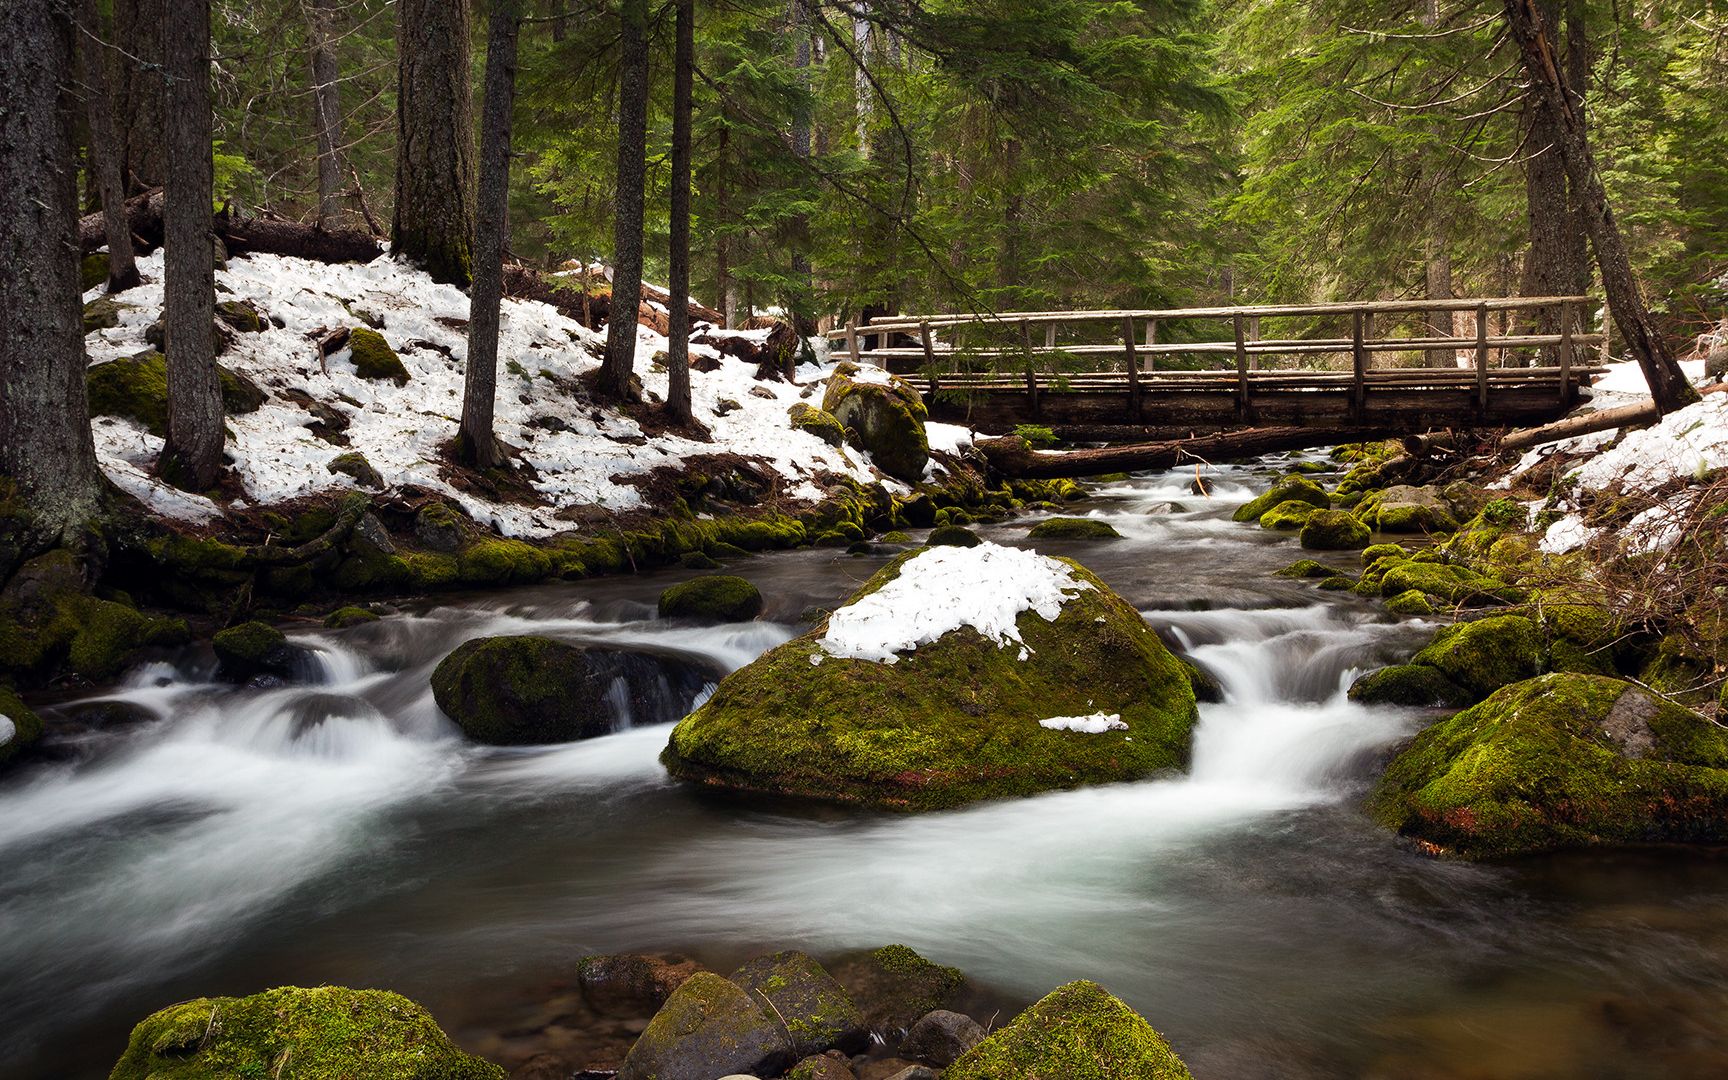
(1560, 761)
(354, 465)
(1409, 684)
(1333, 530)
(242, 315)
(1076, 1032)
(345, 617)
(327, 1033)
(521, 690)
(1406, 509)
(1073, 528)
(253, 648)
(19, 725)
(953, 536)
(1450, 583)
(136, 387)
(1206, 688)
(698, 560)
(712, 598)
(895, 536)
(893, 986)
(817, 422)
(1288, 516)
(1338, 583)
(1375, 552)
(103, 313)
(951, 722)
(373, 357)
(1287, 489)
(93, 270)
(1486, 654)
(503, 562)
(815, 1011)
(1410, 602)
(709, 1027)
(1307, 568)
(883, 418)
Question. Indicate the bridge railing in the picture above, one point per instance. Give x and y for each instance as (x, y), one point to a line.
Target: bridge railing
(946, 347)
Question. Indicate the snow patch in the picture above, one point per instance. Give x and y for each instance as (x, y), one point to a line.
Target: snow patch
(1095, 724)
(1685, 443)
(1567, 534)
(943, 589)
(8, 730)
(948, 438)
(873, 375)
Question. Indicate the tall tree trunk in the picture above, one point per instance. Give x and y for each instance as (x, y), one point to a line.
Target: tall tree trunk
(1578, 62)
(475, 442)
(1438, 275)
(799, 302)
(620, 362)
(192, 456)
(45, 443)
(139, 90)
(105, 149)
(326, 108)
(678, 332)
(433, 223)
(1558, 260)
(1668, 386)
(1009, 273)
(861, 89)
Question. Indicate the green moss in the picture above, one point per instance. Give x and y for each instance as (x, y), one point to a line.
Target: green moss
(248, 644)
(1071, 528)
(1333, 530)
(519, 690)
(895, 537)
(1452, 584)
(327, 1033)
(1404, 509)
(373, 356)
(698, 560)
(953, 536)
(1307, 568)
(1338, 583)
(1375, 552)
(893, 986)
(241, 315)
(708, 1027)
(21, 727)
(1409, 684)
(1486, 654)
(354, 464)
(503, 562)
(816, 422)
(1288, 488)
(136, 387)
(343, 618)
(952, 722)
(103, 313)
(814, 1009)
(93, 270)
(1560, 761)
(1410, 602)
(1077, 1032)
(719, 597)
(430, 571)
(1288, 516)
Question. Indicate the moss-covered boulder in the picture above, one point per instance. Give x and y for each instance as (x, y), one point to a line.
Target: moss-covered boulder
(19, 725)
(502, 561)
(1405, 509)
(1451, 583)
(526, 690)
(709, 1027)
(954, 674)
(136, 387)
(893, 986)
(953, 536)
(373, 357)
(103, 313)
(815, 1011)
(1560, 761)
(326, 1033)
(1410, 602)
(821, 424)
(1076, 1032)
(1486, 654)
(344, 617)
(255, 648)
(1409, 684)
(1333, 530)
(883, 415)
(1373, 553)
(1073, 528)
(354, 465)
(712, 598)
(93, 270)
(1288, 516)
(1306, 568)
(1287, 489)
(242, 315)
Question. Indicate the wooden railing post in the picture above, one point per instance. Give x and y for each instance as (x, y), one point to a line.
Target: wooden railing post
(1031, 368)
(1254, 336)
(1050, 335)
(1482, 358)
(929, 356)
(1358, 365)
(1566, 314)
(1241, 365)
(1151, 340)
(852, 339)
(1133, 370)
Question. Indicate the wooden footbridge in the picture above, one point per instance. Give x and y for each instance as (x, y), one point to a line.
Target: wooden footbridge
(1316, 365)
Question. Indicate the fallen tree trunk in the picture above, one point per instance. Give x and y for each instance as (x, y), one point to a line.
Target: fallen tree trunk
(143, 219)
(1012, 457)
(241, 235)
(1643, 413)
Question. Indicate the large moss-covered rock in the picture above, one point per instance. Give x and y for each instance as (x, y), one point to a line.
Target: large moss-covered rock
(958, 717)
(326, 1033)
(953, 536)
(254, 648)
(1076, 1032)
(1405, 509)
(525, 690)
(373, 357)
(893, 986)
(1073, 528)
(1484, 655)
(815, 1011)
(1288, 516)
(103, 313)
(50, 625)
(1448, 582)
(884, 416)
(712, 597)
(1560, 761)
(136, 387)
(818, 423)
(1410, 684)
(1333, 530)
(708, 1028)
(1307, 568)
(1287, 489)
(19, 726)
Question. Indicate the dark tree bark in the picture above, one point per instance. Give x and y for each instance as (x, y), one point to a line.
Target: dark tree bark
(105, 149)
(45, 443)
(678, 334)
(1558, 260)
(620, 362)
(798, 303)
(475, 442)
(433, 223)
(192, 456)
(1668, 386)
(139, 90)
(326, 108)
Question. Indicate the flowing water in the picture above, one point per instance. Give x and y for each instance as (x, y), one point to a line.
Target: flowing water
(194, 839)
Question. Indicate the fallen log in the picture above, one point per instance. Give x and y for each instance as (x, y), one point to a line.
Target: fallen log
(1584, 424)
(143, 218)
(1013, 457)
(241, 235)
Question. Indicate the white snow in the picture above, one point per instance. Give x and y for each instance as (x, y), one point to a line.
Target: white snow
(949, 438)
(8, 730)
(1685, 443)
(872, 375)
(985, 587)
(401, 430)
(1095, 724)
(1567, 534)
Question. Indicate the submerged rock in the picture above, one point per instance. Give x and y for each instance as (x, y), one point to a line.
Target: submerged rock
(1560, 761)
(709, 1027)
(525, 690)
(940, 1037)
(631, 984)
(712, 597)
(940, 683)
(325, 1032)
(1076, 1032)
(1072, 528)
(883, 415)
(815, 1010)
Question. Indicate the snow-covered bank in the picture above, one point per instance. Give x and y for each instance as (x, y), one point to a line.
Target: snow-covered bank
(582, 454)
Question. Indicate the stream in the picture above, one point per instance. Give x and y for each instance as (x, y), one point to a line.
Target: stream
(197, 839)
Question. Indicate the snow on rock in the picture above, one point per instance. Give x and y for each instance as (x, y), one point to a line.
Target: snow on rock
(1096, 724)
(948, 438)
(577, 449)
(1567, 534)
(942, 589)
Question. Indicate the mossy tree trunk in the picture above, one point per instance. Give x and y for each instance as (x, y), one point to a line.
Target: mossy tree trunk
(326, 108)
(45, 443)
(620, 362)
(433, 222)
(105, 148)
(475, 442)
(678, 334)
(192, 455)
